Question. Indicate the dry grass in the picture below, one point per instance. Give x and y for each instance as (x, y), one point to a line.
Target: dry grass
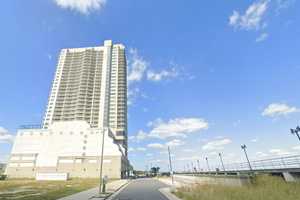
(45, 190)
(264, 188)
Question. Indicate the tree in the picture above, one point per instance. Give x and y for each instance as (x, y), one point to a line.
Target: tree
(155, 171)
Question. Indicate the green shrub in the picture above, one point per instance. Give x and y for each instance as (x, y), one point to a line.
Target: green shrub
(2, 177)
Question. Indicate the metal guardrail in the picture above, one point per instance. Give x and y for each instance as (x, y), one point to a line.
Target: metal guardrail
(272, 164)
(288, 162)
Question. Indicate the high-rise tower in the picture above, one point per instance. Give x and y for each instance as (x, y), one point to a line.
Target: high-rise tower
(90, 85)
(87, 108)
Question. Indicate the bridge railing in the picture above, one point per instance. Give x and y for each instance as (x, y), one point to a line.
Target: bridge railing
(279, 163)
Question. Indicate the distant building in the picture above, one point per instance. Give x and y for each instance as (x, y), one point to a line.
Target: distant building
(88, 98)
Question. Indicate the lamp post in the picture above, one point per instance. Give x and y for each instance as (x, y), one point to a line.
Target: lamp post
(101, 164)
(170, 161)
(220, 155)
(198, 162)
(193, 169)
(296, 132)
(244, 147)
(207, 164)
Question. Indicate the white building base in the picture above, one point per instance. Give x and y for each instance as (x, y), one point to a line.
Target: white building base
(66, 147)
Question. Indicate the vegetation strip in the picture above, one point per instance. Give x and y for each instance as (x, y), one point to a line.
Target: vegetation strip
(263, 188)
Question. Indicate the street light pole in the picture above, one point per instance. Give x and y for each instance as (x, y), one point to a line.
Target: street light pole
(220, 155)
(101, 162)
(170, 161)
(207, 164)
(244, 147)
(296, 132)
(193, 169)
(198, 162)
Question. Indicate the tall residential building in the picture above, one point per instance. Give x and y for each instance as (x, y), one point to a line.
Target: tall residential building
(90, 84)
(87, 102)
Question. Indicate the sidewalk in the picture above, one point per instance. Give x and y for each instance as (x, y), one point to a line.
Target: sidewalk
(92, 193)
(168, 191)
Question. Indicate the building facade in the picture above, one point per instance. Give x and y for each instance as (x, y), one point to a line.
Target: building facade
(88, 98)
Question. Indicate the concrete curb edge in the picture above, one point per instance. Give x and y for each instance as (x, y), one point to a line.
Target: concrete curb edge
(167, 193)
(112, 195)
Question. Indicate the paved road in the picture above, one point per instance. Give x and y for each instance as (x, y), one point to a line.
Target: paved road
(142, 189)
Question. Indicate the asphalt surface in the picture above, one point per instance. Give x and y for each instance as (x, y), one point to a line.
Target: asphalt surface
(142, 189)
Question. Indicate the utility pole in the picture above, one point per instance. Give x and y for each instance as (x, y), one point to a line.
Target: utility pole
(193, 169)
(101, 162)
(207, 164)
(171, 169)
(198, 162)
(244, 147)
(296, 132)
(220, 155)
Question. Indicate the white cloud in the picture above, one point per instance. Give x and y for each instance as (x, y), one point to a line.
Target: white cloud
(131, 137)
(252, 19)
(81, 6)
(130, 149)
(262, 37)
(156, 146)
(136, 70)
(261, 154)
(177, 127)
(136, 149)
(137, 66)
(188, 150)
(296, 148)
(5, 136)
(162, 75)
(216, 144)
(141, 135)
(139, 69)
(279, 152)
(49, 56)
(254, 140)
(141, 149)
(188, 158)
(132, 95)
(175, 143)
(283, 4)
(277, 109)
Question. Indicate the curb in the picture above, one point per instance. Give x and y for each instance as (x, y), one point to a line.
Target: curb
(111, 195)
(167, 193)
(120, 189)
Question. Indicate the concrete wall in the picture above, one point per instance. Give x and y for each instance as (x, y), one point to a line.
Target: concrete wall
(71, 147)
(88, 167)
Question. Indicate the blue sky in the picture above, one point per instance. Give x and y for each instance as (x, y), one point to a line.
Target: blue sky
(204, 76)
